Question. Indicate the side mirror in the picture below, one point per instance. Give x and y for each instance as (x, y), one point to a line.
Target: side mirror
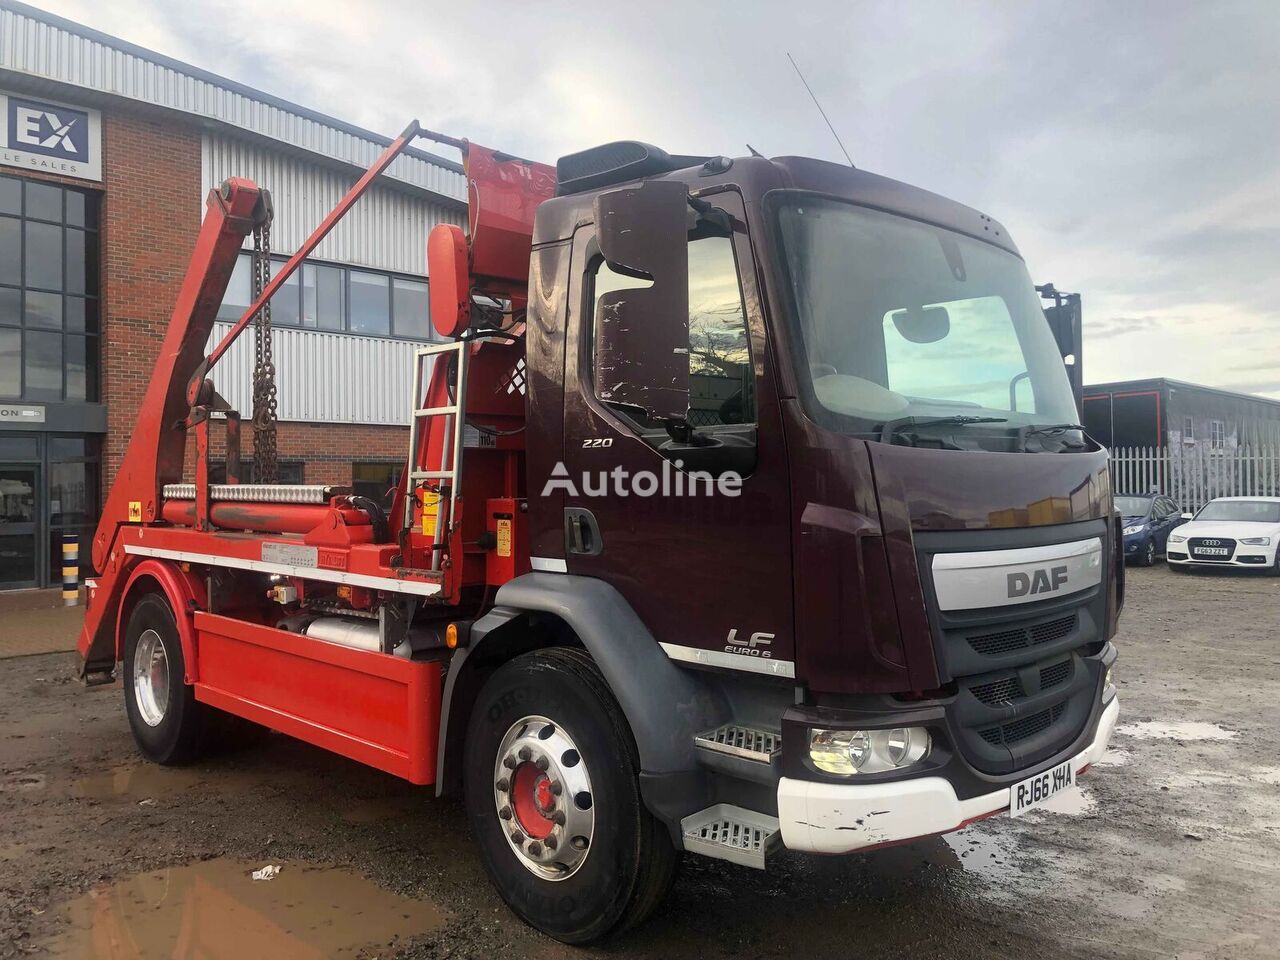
(642, 334)
(1188, 516)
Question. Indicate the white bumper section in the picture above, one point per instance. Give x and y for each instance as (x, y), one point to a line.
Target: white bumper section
(839, 818)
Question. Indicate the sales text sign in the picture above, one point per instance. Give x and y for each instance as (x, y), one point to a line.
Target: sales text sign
(50, 137)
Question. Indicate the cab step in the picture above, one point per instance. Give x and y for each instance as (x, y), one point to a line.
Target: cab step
(731, 833)
(737, 740)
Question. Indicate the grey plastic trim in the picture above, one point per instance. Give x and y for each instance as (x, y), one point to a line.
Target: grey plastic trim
(665, 705)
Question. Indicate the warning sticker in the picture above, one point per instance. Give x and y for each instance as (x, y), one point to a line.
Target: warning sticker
(504, 538)
(135, 511)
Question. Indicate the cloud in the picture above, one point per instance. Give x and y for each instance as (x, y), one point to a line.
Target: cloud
(1129, 148)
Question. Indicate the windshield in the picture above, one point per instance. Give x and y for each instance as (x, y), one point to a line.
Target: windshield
(1259, 511)
(1133, 506)
(903, 319)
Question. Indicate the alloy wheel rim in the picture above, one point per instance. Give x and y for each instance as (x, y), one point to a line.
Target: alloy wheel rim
(151, 678)
(543, 797)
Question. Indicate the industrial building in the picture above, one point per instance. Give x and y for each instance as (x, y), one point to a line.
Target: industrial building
(107, 152)
(1160, 413)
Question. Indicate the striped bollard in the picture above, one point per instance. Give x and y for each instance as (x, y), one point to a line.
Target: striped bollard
(70, 569)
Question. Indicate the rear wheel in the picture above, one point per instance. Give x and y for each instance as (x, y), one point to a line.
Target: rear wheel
(167, 722)
(553, 797)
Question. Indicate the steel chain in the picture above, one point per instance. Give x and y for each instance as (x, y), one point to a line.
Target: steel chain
(264, 368)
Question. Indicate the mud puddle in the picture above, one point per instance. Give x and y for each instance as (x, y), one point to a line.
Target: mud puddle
(138, 782)
(1189, 730)
(214, 910)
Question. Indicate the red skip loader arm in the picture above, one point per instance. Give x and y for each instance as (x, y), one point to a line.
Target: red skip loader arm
(157, 445)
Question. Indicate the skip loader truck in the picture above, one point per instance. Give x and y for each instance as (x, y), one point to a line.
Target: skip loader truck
(745, 507)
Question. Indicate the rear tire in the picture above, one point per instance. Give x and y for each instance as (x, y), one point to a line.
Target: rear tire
(585, 865)
(168, 724)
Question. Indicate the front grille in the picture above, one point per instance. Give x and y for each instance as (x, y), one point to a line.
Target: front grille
(999, 691)
(1020, 638)
(1024, 727)
(1054, 675)
(1026, 674)
(1197, 544)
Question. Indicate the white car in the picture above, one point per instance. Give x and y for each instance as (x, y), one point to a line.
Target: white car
(1229, 532)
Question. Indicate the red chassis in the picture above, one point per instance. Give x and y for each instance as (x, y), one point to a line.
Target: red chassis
(236, 563)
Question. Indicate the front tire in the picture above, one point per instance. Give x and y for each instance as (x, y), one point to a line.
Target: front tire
(553, 796)
(1148, 556)
(167, 722)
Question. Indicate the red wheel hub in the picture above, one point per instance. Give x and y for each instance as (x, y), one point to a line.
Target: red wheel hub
(532, 801)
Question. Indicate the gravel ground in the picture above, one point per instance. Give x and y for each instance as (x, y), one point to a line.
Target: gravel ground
(1171, 850)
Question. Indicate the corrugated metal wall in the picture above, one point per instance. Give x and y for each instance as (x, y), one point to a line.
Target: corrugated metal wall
(323, 377)
(46, 46)
(387, 229)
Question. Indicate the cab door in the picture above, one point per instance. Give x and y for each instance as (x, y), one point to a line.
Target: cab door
(706, 564)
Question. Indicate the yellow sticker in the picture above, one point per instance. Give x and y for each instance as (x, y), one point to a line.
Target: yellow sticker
(504, 538)
(135, 511)
(430, 510)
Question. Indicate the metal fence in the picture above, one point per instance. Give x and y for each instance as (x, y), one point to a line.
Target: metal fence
(1194, 475)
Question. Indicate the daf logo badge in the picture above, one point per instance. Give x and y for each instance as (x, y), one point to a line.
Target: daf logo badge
(1038, 581)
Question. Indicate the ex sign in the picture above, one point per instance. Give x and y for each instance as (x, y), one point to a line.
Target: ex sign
(50, 137)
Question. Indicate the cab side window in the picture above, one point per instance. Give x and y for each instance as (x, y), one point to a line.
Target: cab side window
(721, 377)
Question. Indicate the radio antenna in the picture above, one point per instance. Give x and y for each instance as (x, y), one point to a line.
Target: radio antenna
(814, 97)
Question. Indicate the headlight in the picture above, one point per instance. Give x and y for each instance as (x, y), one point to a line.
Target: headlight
(1177, 538)
(1130, 531)
(847, 752)
(1257, 541)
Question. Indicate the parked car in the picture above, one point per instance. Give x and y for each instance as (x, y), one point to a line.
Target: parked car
(1148, 518)
(1229, 532)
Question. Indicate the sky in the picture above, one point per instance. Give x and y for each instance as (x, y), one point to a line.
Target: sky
(1132, 149)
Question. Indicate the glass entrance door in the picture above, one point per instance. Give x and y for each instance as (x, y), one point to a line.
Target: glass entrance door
(19, 556)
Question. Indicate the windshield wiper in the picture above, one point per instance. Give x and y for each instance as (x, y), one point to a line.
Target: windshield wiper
(1054, 430)
(892, 427)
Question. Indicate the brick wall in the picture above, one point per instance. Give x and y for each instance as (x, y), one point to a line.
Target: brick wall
(150, 219)
(327, 449)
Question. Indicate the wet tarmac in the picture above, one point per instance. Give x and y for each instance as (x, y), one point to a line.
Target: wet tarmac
(1169, 848)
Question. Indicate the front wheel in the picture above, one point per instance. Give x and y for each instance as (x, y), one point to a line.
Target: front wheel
(1148, 556)
(167, 722)
(553, 797)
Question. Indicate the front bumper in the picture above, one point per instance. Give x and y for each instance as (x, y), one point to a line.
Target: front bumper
(1246, 557)
(1135, 544)
(841, 818)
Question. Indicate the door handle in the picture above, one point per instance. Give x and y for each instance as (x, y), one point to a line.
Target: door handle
(581, 533)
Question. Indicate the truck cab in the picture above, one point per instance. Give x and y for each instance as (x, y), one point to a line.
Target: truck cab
(901, 606)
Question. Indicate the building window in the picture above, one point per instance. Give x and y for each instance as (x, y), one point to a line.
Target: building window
(1217, 434)
(1188, 430)
(322, 296)
(48, 292)
(377, 481)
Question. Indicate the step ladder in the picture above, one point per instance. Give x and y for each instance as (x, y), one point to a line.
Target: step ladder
(726, 831)
(450, 467)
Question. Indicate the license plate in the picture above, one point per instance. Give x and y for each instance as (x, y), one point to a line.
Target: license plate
(1211, 551)
(1034, 791)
